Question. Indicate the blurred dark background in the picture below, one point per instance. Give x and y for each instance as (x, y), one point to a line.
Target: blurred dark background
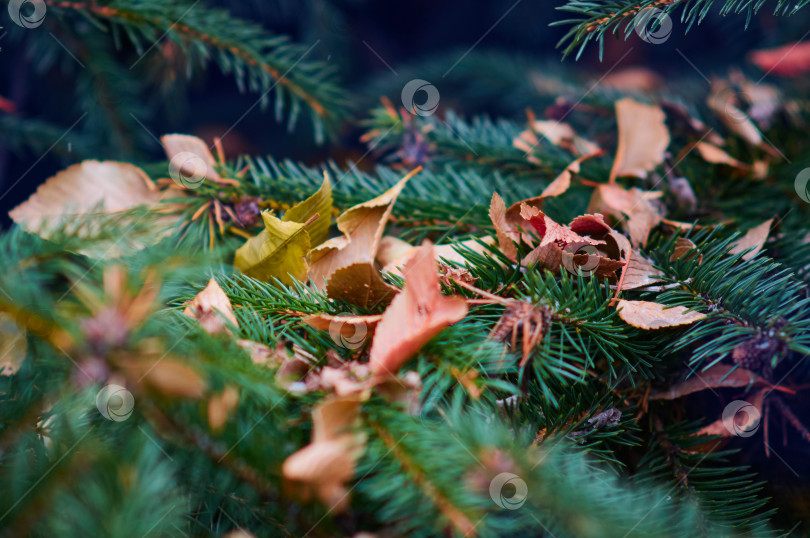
(376, 48)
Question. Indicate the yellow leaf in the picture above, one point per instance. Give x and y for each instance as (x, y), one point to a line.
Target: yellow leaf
(278, 251)
(648, 315)
(319, 204)
(643, 139)
(327, 463)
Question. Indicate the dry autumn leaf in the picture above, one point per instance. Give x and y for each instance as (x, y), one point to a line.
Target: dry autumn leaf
(186, 153)
(643, 139)
(718, 376)
(345, 264)
(87, 188)
(417, 314)
(279, 251)
(211, 308)
(713, 154)
(323, 467)
(632, 207)
(648, 315)
(754, 239)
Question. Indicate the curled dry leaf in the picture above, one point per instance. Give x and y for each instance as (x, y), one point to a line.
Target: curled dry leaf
(633, 207)
(754, 239)
(559, 134)
(643, 139)
(574, 245)
(323, 467)
(212, 308)
(417, 314)
(345, 265)
(718, 376)
(177, 144)
(648, 315)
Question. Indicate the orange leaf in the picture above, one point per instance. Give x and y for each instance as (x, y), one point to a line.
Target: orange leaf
(211, 307)
(417, 314)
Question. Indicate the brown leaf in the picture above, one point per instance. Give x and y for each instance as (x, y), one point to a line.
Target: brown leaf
(362, 227)
(632, 207)
(713, 154)
(685, 250)
(176, 145)
(648, 315)
(643, 139)
(212, 308)
(559, 134)
(324, 466)
(724, 102)
(220, 406)
(103, 186)
(718, 376)
(360, 284)
(391, 249)
(169, 377)
(262, 354)
(755, 238)
(640, 272)
(417, 314)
